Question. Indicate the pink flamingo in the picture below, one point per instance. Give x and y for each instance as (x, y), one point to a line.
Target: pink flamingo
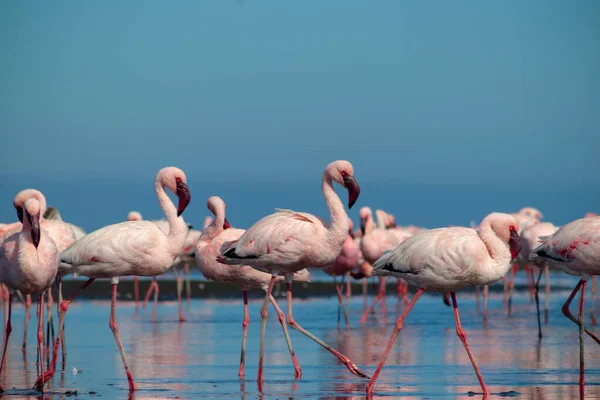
(130, 248)
(208, 248)
(135, 216)
(529, 241)
(575, 249)
(28, 263)
(287, 241)
(342, 266)
(451, 259)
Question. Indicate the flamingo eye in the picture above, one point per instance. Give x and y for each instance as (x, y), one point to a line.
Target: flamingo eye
(344, 173)
(177, 180)
(512, 228)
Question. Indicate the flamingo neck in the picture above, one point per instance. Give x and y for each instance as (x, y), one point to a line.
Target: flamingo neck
(369, 225)
(27, 254)
(177, 226)
(338, 228)
(497, 249)
(380, 219)
(216, 227)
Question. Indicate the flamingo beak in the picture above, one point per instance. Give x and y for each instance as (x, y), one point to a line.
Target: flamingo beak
(353, 189)
(183, 193)
(19, 213)
(226, 224)
(515, 244)
(34, 226)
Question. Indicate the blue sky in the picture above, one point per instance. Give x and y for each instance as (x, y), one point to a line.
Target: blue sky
(467, 92)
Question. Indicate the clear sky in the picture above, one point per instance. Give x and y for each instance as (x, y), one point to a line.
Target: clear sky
(436, 92)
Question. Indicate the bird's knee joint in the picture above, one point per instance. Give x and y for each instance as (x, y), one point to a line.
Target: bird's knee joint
(113, 326)
(461, 334)
(281, 317)
(246, 322)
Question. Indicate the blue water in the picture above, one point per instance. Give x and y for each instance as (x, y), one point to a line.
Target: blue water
(199, 359)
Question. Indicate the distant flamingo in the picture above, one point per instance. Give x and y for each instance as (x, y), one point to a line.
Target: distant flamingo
(451, 259)
(342, 266)
(287, 241)
(529, 241)
(575, 249)
(208, 249)
(28, 263)
(131, 248)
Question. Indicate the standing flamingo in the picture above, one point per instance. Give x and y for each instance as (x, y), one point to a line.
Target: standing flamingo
(575, 249)
(451, 259)
(28, 263)
(135, 216)
(342, 266)
(287, 241)
(130, 248)
(530, 241)
(208, 249)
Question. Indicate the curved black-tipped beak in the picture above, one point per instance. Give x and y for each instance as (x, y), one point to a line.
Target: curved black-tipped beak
(363, 225)
(515, 244)
(226, 224)
(183, 193)
(34, 227)
(19, 213)
(353, 189)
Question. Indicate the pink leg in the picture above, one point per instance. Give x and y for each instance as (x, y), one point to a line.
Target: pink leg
(340, 294)
(380, 297)
(148, 293)
(382, 300)
(245, 324)
(593, 302)
(547, 299)
(567, 313)
(27, 316)
(405, 294)
(264, 312)
(486, 295)
(463, 337)
(281, 317)
(397, 328)
(179, 280)
(581, 355)
(155, 300)
(40, 334)
(529, 273)
(511, 285)
(365, 285)
(115, 329)
(348, 294)
(7, 332)
(136, 291)
(349, 364)
(188, 284)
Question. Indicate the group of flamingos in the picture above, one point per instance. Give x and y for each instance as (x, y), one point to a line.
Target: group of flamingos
(40, 249)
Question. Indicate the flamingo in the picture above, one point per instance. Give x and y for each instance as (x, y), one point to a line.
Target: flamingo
(342, 266)
(575, 249)
(529, 241)
(130, 248)
(208, 249)
(447, 260)
(28, 263)
(287, 241)
(135, 216)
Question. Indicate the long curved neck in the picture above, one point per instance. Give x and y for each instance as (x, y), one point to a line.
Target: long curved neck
(216, 226)
(380, 219)
(177, 226)
(27, 251)
(498, 250)
(338, 228)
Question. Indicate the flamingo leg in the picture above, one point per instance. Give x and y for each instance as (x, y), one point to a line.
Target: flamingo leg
(339, 294)
(188, 284)
(149, 292)
(61, 325)
(365, 287)
(8, 330)
(399, 289)
(346, 320)
(529, 273)
(380, 296)
(537, 302)
(463, 337)
(547, 300)
(349, 364)
(179, 280)
(245, 325)
(399, 325)
(581, 355)
(27, 305)
(115, 329)
(348, 293)
(486, 295)
(594, 284)
(281, 316)
(511, 285)
(477, 288)
(50, 323)
(40, 336)
(567, 313)
(264, 312)
(136, 291)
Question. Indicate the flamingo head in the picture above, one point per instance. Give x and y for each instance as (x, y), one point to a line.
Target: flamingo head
(531, 212)
(23, 196)
(364, 214)
(216, 205)
(32, 213)
(174, 179)
(506, 227)
(134, 216)
(343, 173)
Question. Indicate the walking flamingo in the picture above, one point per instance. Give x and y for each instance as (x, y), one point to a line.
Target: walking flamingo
(208, 249)
(575, 249)
(342, 266)
(28, 263)
(451, 259)
(530, 241)
(287, 241)
(130, 248)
